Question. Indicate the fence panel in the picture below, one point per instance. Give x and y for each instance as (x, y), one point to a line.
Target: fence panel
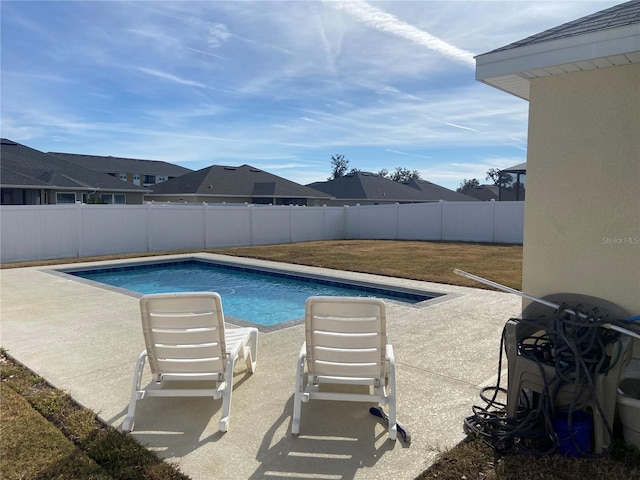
(112, 229)
(307, 224)
(270, 225)
(40, 232)
(420, 221)
(227, 226)
(43, 232)
(467, 221)
(509, 222)
(378, 222)
(334, 223)
(176, 227)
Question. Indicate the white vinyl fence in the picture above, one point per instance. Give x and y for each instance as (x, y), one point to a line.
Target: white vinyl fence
(42, 232)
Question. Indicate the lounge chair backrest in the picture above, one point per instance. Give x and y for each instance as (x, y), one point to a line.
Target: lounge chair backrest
(184, 333)
(346, 339)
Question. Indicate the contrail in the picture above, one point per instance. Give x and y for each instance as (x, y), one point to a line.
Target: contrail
(170, 77)
(383, 21)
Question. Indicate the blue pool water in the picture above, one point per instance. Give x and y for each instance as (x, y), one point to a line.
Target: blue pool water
(262, 297)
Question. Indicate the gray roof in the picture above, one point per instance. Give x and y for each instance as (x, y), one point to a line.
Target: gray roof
(373, 187)
(26, 167)
(484, 192)
(110, 164)
(437, 192)
(617, 16)
(521, 167)
(228, 181)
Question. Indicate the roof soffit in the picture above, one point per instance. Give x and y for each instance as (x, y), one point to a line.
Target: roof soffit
(510, 70)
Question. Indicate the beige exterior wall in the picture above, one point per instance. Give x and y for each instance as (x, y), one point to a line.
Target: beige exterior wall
(582, 215)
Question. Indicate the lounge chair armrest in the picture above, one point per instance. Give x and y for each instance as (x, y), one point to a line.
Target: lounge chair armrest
(389, 353)
(391, 365)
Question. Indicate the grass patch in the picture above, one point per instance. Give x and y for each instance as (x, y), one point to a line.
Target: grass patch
(46, 435)
(473, 459)
(425, 261)
(25, 432)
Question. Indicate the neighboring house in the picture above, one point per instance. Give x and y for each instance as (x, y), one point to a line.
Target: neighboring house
(138, 172)
(582, 214)
(433, 192)
(365, 188)
(244, 184)
(32, 177)
(483, 192)
(512, 182)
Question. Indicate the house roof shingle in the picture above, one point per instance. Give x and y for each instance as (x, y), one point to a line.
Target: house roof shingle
(437, 192)
(621, 15)
(372, 187)
(228, 181)
(484, 192)
(28, 167)
(110, 164)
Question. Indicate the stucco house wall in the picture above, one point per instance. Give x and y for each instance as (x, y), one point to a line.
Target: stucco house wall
(583, 169)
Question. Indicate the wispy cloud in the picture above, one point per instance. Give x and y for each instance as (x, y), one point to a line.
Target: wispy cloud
(218, 33)
(408, 154)
(170, 77)
(381, 20)
(206, 53)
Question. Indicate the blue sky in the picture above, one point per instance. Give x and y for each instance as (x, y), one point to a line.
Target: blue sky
(281, 86)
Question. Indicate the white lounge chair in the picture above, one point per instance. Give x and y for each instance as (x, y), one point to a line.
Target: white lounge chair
(186, 340)
(346, 344)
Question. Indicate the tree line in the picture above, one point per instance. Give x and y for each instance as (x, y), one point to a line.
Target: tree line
(340, 168)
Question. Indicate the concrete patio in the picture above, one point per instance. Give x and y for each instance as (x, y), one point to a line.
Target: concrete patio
(85, 340)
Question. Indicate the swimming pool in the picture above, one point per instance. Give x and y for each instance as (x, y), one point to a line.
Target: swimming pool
(263, 297)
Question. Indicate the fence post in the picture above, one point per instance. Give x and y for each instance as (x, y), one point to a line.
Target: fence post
(79, 231)
(204, 223)
(149, 243)
(441, 220)
(251, 210)
(493, 212)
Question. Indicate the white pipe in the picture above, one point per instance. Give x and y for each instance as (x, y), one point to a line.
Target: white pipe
(540, 300)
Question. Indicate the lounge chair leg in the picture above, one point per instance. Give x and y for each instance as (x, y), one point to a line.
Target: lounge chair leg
(298, 397)
(252, 358)
(295, 420)
(129, 421)
(223, 425)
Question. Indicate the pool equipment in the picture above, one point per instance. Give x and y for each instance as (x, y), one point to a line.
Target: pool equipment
(629, 403)
(568, 334)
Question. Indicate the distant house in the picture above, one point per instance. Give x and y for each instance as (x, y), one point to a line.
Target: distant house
(512, 182)
(243, 184)
(365, 188)
(32, 177)
(483, 192)
(433, 192)
(138, 172)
